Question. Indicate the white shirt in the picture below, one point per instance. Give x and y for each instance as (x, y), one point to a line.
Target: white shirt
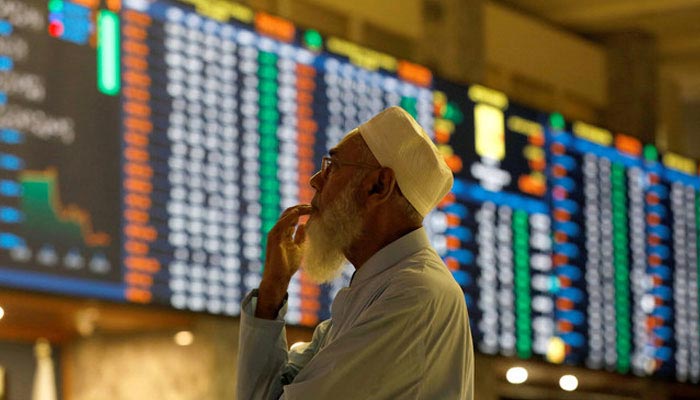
(400, 331)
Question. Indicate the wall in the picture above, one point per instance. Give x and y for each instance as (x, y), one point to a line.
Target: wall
(400, 17)
(542, 66)
(152, 366)
(145, 366)
(691, 124)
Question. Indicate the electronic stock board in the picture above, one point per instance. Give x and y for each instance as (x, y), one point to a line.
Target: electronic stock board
(146, 148)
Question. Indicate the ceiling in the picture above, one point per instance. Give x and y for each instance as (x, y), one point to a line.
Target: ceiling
(674, 23)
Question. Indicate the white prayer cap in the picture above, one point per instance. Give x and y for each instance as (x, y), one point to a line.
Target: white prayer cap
(399, 143)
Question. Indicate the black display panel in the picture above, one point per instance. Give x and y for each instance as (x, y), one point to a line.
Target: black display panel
(625, 258)
(147, 147)
(59, 164)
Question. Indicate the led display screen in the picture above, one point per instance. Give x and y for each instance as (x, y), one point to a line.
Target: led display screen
(147, 147)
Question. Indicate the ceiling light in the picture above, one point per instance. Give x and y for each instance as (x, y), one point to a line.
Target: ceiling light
(184, 338)
(516, 375)
(568, 383)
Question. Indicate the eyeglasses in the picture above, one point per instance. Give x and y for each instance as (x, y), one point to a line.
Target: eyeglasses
(327, 163)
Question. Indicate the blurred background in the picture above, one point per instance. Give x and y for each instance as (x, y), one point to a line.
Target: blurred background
(148, 146)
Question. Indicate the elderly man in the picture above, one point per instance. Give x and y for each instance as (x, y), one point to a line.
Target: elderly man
(401, 330)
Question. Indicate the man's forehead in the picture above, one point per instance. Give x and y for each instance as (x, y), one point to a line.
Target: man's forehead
(347, 144)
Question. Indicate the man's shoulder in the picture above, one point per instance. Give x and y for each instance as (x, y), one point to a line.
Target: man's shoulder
(424, 274)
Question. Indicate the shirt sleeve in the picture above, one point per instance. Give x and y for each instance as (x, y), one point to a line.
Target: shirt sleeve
(264, 364)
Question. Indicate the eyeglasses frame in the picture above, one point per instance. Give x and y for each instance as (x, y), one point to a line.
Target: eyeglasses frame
(327, 162)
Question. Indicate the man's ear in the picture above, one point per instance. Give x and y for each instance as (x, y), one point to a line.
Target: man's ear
(382, 186)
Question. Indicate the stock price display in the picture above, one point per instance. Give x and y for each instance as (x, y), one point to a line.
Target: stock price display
(148, 146)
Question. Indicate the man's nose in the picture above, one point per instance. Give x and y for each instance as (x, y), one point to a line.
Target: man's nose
(316, 181)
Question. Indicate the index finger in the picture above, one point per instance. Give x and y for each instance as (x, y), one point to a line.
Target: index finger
(291, 215)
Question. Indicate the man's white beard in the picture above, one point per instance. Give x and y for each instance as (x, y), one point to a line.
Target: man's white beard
(329, 233)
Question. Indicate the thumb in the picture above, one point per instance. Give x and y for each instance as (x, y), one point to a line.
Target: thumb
(300, 235)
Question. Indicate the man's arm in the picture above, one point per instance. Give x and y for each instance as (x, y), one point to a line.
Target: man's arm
(264, 365)
(263, 358)
(262, 353)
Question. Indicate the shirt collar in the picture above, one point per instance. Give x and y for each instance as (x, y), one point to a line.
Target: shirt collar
(391, 254)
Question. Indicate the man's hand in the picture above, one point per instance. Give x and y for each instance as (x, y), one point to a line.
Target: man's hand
(282, 259)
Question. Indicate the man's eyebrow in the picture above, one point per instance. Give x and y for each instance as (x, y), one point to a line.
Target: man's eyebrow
(332, 152)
